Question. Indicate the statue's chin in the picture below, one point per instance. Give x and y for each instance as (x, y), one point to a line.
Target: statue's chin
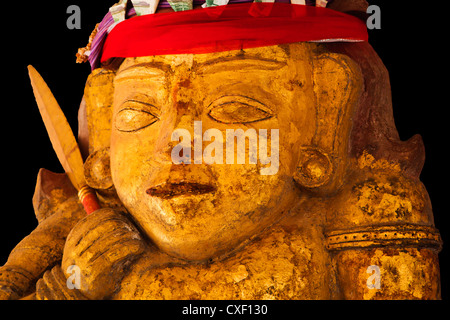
(195, 238)
(204, 226)
(192, 248)
(179, 231)
(194, 252)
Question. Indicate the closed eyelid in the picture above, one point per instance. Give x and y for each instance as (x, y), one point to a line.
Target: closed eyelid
(224, 100)
(139, 105)
(238, 109)
(137, 110)
(133, 120)
(135, 114)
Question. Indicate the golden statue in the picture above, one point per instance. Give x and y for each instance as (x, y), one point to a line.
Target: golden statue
(341, 215)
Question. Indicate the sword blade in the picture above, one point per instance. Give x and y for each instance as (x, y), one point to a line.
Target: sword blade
(59, 130)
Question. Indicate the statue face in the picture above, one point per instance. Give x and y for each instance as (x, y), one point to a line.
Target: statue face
(202, 209)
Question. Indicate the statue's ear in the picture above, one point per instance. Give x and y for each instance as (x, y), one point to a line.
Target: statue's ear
(337, 82)
(95, 118)
(95, 114)
(97, 170)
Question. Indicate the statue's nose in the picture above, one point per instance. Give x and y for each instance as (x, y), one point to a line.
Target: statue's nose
(175, 129)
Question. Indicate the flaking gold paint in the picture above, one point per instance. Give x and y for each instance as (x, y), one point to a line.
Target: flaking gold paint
(256, 237)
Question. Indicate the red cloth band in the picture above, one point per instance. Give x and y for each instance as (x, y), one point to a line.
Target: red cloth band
(230, 27)
(90, 202)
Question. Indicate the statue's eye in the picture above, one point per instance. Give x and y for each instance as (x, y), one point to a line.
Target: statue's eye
(135, 116)
(238, 109)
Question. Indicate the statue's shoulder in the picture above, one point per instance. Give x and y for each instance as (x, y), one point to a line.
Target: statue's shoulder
(381, 205)
(53, 190)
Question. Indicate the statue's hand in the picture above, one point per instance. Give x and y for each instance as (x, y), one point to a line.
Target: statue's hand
(13, 280)
(53, 286)
(100, 247)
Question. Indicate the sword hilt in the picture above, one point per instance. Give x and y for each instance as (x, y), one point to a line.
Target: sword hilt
(88, 199)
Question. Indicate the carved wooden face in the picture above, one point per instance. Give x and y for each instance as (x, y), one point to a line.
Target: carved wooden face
(174, 115)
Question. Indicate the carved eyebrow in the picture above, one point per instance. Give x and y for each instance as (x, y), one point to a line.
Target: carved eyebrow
(238, 63)
(155, 70)
(139, 105)
(143, 70)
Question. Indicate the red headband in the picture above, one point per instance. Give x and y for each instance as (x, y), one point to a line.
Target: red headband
(232, 27)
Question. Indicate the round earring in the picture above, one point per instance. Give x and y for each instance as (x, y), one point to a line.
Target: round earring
(314, 169)
(97, 170)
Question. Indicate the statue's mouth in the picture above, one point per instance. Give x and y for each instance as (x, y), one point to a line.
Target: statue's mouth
(171, 190)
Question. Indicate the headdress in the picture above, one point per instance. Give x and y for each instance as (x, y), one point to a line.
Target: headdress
(132, 29)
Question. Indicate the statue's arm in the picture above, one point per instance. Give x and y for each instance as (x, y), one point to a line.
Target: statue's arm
(40, 267)
(382, 238)
(98, 253)
(102, 247)
(67, 244)
(57, 210)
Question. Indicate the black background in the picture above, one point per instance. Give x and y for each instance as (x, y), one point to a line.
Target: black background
(411, 42)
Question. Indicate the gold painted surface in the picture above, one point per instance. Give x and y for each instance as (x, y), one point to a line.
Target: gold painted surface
(58, 129)
(282, 265)
(408, 273)
(225, 231)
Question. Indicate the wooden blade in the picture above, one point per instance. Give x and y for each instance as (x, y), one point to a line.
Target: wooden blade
(58, 129)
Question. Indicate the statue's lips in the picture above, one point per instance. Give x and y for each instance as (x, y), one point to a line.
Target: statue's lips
(171, 190)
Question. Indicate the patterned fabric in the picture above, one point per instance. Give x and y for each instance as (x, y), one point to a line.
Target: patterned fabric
(127, 9)
(235, 27)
